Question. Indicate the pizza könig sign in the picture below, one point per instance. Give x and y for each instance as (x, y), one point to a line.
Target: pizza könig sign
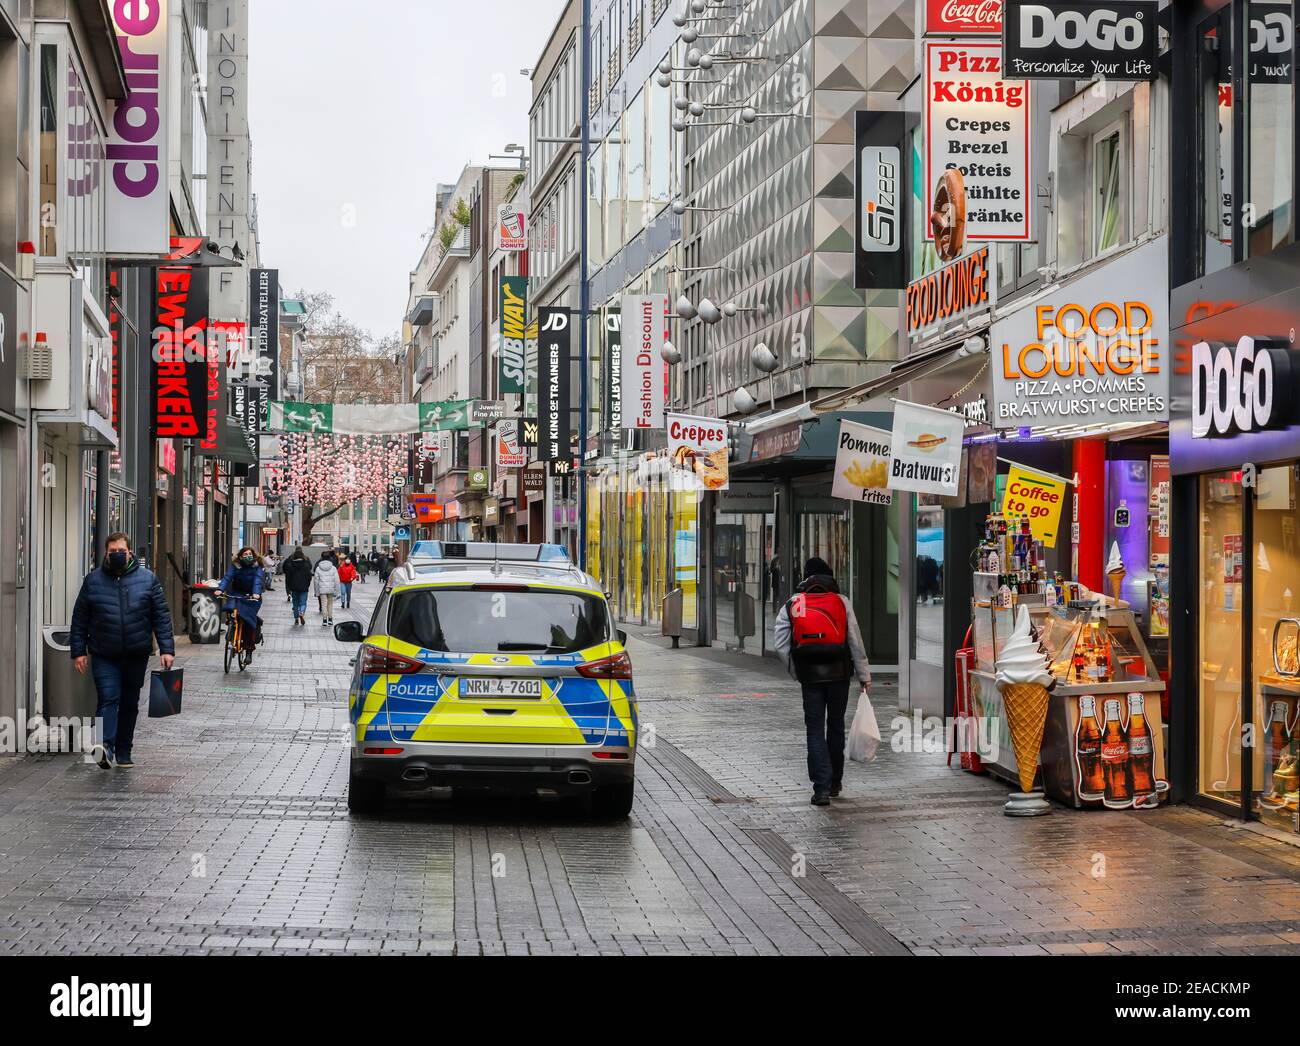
(979, 123)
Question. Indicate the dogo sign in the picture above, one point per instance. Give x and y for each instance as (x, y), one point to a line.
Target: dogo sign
(1244, 388)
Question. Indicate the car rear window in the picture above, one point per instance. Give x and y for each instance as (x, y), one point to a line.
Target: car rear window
(480, 620)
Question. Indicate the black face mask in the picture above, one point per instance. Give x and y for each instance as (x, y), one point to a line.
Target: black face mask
(117, 562)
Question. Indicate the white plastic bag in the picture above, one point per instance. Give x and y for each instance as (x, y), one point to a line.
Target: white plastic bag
(864, 734)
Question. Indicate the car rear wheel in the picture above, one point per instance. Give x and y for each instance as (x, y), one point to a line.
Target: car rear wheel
(364, 796)
(613, 801)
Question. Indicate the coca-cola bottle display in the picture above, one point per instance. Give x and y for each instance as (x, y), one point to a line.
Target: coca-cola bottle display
(1087, 749)
(1117, 793)
(1141, 752)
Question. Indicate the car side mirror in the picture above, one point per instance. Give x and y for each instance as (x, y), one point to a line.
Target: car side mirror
(622, 637)
(349, 632)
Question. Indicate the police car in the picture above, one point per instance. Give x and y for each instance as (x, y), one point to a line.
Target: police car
(491, 666)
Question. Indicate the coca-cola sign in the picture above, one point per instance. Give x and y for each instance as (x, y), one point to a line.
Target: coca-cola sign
(963, 17)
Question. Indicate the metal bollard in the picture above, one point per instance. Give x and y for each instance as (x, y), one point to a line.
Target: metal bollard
(671, 611)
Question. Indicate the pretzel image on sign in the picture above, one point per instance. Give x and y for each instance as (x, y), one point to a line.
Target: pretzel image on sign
(948, 214)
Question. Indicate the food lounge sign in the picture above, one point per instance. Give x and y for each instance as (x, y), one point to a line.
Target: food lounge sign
(960, 287)
(1094, 351)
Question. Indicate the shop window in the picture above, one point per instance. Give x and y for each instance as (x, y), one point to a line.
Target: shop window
(1214, 127)
(1267, 211)
(49, 158)
(927, 582)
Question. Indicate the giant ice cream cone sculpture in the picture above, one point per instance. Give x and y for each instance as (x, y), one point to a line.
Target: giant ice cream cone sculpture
(1025, 681)
(1115, 570)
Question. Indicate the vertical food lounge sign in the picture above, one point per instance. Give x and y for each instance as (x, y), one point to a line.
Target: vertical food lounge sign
(137, 212)
(978, 123)
(181, 407)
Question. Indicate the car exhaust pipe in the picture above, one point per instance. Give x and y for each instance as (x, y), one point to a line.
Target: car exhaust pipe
(415, 774)
(579, 777)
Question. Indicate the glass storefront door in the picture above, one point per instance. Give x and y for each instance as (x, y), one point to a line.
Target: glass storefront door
(1220, 628)
(742, 556)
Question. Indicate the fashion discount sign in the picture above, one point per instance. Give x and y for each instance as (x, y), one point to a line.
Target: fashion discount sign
(1093, 351)
(978, 123)
(644, 322)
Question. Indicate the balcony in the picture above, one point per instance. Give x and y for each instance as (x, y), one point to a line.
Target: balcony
(421, 313)
(425, 365)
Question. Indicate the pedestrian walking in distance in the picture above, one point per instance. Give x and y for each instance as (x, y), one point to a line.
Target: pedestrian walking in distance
(297, 579)
(363, 566)
(818, 638)
(347, 575)
(119, 612)
(327, 587)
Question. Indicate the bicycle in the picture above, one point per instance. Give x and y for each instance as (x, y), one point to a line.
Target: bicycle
(235, 652)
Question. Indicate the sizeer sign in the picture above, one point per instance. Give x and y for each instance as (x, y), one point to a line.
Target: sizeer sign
(1052, 41)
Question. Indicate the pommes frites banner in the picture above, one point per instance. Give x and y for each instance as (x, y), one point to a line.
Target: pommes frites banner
(862, 465)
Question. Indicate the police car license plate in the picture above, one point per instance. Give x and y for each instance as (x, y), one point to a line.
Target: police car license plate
(495, 686)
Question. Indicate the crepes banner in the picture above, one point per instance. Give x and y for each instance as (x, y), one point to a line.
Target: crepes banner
(862, 465)
(1037, 496)
(925, 450)
(371, 419)
(698, 452)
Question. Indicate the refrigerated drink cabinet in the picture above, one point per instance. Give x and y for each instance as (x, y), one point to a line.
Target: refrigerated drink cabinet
(1104, 743)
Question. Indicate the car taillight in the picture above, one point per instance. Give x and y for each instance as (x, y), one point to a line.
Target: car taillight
(619, 666)
(377, 661)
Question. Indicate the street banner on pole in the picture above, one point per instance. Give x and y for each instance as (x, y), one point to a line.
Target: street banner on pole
(513, 310)
(925, 449)
(644, 318)
(375, 419)
(862, 465)
(613, 371)
(264, 325)
(698, 451)
(554, 345)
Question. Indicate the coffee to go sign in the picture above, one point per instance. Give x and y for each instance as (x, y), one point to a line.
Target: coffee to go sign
(1093, 351)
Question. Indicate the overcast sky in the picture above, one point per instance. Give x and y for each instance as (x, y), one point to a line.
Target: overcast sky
(357, 110)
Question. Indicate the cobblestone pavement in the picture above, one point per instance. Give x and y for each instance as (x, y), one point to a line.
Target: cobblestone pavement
(232, 835)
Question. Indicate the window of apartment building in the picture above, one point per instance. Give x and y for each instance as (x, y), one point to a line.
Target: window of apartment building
(1243, 133)
(660, 139)
(615, 193)
(634, 159)
(596, 207)
(1109, 204)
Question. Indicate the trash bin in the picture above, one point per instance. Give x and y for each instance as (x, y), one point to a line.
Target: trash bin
(68, 694)
(205, 615)
(672, 615)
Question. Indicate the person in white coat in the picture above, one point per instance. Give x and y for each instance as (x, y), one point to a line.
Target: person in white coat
(326, 584)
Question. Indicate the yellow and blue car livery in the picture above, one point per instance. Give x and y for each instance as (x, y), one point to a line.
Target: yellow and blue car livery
(561, 722)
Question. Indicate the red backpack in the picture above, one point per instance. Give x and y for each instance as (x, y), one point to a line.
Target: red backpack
(819, 637)
(818, 619)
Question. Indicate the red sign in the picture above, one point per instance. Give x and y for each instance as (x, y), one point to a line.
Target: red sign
(115, 329)
(963, 17)
(181, 364)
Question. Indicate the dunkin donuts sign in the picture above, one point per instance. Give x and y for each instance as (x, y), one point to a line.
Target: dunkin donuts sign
(137, 214)
(963, 17)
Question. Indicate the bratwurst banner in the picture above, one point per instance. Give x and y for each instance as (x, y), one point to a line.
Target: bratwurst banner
(1095, 350)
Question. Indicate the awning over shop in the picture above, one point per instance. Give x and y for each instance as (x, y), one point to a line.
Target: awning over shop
(901, 373)
(232, 446)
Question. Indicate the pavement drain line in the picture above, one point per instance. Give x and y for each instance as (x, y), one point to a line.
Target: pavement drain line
(827, 896)
(687, 769)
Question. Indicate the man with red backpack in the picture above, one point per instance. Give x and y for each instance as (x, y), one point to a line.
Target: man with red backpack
(818, 638)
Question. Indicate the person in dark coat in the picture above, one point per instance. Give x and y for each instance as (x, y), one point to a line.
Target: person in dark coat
(119, 612)
(297, 579)
(242, 587)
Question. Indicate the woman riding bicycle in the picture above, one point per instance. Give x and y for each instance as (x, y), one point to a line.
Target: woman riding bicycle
(242, 588)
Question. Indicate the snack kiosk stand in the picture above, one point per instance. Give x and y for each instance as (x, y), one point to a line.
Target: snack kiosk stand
(1104, 743)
